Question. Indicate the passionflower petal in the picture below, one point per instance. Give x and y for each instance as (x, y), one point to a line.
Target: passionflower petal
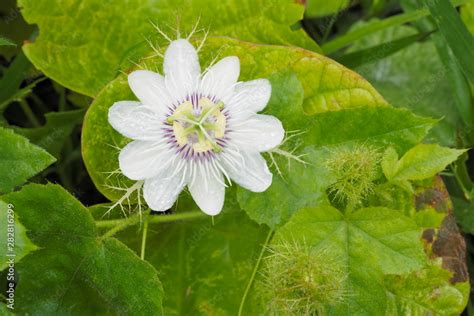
(195, 130)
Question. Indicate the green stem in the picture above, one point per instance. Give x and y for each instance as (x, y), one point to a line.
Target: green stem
(462, 176)
(29, 113)
(254, 272)
(62, 99)
(122, 223)
(119, 224)
(145, 230)
(333, 20)
(39, 103)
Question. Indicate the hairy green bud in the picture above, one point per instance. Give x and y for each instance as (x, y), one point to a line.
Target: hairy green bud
(296, 280)
(355, 170)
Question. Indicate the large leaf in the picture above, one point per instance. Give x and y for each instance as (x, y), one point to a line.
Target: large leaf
(75, 271)
(20, 159)
(303, 83)
(369, 243)
(415, 78)
(14, 243)
(82, 52)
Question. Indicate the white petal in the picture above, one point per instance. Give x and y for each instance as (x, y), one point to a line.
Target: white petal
(259, 133)
(250, 171)
(145, 159)
(162, 191)
(135, 121)
(220, 79)
(150, 89)
(249, 98)
(181, 67)
(208, 191)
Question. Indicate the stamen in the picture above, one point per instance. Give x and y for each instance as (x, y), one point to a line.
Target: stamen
(219, 106)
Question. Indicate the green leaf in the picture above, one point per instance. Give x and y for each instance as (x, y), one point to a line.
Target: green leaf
(464, 213)
(20, 94)
(74, 51)
(369, 243)
(368, 29)
(204, 265)
(467, 15)
(12, 78)
(421, 162)
(14, 243)
(305, 185)
(454, 75)
(414, 78)
(378, 52)
(54, 133)
(455, 34)
(303, 83)
(75, 271)
(429, 218)
(318, 8)
(426, 292)
(13, 27)
(20, 159)
(6, 42)
(4, 311)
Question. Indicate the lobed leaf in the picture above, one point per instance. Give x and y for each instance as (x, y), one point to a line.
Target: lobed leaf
(74, 271)
(420, 162)
(369, 243)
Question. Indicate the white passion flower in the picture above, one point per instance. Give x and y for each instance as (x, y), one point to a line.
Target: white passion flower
(195, 130)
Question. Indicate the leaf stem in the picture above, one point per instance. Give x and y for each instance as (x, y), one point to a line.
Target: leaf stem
(145, 230)
(122, 223)
(29, 113)
(119, 224)
(254, 272)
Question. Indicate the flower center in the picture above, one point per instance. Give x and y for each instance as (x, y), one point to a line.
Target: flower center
(199, 126)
